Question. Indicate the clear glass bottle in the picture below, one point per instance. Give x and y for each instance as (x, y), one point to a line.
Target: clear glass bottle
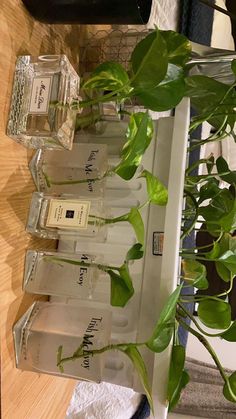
(71, 172)
(46, 326)
(66, 216)
(46, 275)
(44, 101)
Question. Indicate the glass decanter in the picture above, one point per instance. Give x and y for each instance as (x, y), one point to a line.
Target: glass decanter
(80, 171)
(67, 216)
(48, 273)
(46, 326)
(44, 102)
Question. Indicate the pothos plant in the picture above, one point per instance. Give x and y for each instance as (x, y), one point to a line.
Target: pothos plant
(158, 78)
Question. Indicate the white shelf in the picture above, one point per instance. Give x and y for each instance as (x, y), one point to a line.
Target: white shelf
(154, 277)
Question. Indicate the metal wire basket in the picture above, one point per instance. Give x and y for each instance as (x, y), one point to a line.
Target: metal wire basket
(109, 45)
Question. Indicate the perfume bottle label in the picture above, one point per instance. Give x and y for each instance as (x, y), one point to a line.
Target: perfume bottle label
(88, 340)
(83, 271)
(68, 214)
(40, 95)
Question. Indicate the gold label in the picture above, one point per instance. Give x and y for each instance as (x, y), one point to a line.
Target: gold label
(68, 213)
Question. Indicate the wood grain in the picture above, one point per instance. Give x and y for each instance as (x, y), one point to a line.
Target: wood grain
(25, 395)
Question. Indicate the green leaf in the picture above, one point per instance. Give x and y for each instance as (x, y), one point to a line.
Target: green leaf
(228, 259)
(135, 219)
(209, 97)
(164, 328)
(121, 286)
(157, 192)
(138, 362)
(227, 242)
(167, 94)
(233, 66)
(215, 314)
(221, 211)
(178, 47)
(214, 252)
(182, 384)
(210, 164)
(108, 76)
(149, 62)
(222, 167)
(230, 334)
(195, 273)
(178, 378)
(135, 252)
(209, 190)
(232, 383)
(139, 135)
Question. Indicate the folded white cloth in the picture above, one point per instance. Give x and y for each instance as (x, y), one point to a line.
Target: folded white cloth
(102, 401)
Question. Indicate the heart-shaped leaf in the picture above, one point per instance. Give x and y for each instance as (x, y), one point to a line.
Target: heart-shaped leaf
(212, 100)
(121, 286)
(133, 353)
(164, 328)
(135, 252)
(209, 190)
(149, 62)
(108, 76)
(215, 314)
(178, 47)
(222, 167)
(178, 378)
(195, 273)
(135, 219)
(139, 135)
(232, 383)
(167, 94)
(157, 192)
(230, 334)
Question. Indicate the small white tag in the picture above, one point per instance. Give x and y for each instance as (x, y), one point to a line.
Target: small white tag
(157, 243)
(40, 95)
(68, 213)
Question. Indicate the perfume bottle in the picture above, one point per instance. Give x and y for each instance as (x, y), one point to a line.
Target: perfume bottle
(46, 273)
(44, 102)
(66, 216)
(46, 326)
(78, 172)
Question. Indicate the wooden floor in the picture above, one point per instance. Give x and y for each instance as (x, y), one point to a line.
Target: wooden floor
(24, 395)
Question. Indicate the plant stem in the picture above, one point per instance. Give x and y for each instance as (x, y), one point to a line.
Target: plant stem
(196, 323)
(194, 220)
(196, 164)
(118, 346)
(50, 181)
(101, 267)
(103, 98)
(209, 348)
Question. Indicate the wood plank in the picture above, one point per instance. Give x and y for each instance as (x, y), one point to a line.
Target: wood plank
(25, 395)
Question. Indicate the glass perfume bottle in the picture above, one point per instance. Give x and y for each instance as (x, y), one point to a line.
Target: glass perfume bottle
(78, 172)
(45, 274)
(67, 215)
(44, 102)
(46, 326)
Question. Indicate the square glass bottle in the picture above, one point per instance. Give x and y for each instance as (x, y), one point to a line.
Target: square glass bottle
(80, 171)
(44, 101)
(46, 273)
(46, 326)
(66, 216)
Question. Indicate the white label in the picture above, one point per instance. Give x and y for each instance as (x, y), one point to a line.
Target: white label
(68, 214)
(40, 95)
(157, 243)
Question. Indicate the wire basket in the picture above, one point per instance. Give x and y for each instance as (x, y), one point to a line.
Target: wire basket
(109, 45)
